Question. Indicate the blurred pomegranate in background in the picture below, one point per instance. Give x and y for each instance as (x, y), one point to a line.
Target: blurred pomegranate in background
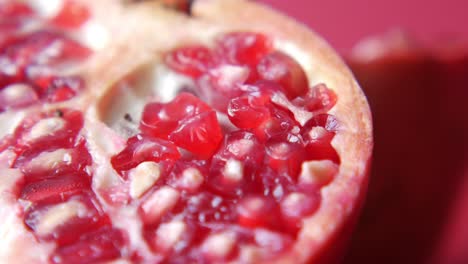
(417, 96)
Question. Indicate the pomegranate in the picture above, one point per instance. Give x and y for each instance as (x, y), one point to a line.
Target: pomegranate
(134, 133)
(411, 88)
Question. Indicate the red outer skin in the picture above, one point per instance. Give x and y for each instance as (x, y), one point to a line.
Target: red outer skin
(418, 99)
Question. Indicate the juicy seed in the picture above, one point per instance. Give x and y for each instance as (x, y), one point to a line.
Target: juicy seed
(16, 96)
(256, 211)
(318, 142)
(319, 99)
(72, 15)
(200, 135)
(56, 189)
(169, 234)
(222, 83)
(244, 47)
(46, 127)
(218, 246)
(247, 112)
(100, 246)
(158, 204)
(190, 180)
(284, 70)
(296, 205)
(140, 149)
(187, 121)
(284, 156)
(58, 215)
(191, 60)
(233, 171)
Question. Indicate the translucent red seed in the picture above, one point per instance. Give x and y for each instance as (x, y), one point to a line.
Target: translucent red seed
(139, 149)
(244, 47)
(192, 60)
(282, 69)
(187, 121)
(318, 99)
(72, 15)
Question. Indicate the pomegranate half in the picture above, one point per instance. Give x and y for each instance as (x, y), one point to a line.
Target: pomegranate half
(134, 133)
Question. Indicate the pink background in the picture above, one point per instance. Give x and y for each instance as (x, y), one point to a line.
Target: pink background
(344, 22)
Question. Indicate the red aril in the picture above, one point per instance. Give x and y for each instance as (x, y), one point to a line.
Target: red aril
(284, 70)
(245, 48)
(145, 135)
(192, 61)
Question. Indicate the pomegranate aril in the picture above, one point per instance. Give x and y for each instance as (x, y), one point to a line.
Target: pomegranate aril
(44, 48)
(160, 119)
(54, 223)
(102, 245)
(221, 84)
(13, 9)
(280, 124)
(139, 149)
(234, 165)
(205, 207)
(247, 112)
(318, 141)
(272, 241)
(218, 247)
(244, 47)
(188, 175)
(271, 183)
(318, 99)
(56, 189)
(57, 89)
(156, 121)
(16, 96)
(168, 235)
(158, 204)
(187, 121)
(285, 154)
(295, 206)
(284, 70)
(200, 134)
(45, 131)
(191, 60)
(72, 15)
(259, 211)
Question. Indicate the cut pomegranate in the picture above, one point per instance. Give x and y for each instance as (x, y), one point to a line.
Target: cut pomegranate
(211, 144)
